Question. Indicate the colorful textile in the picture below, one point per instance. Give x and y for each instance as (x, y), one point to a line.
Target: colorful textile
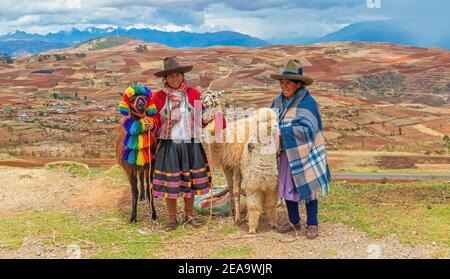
(218, 202)
(124, 104)
(137, 140)
(181, 169)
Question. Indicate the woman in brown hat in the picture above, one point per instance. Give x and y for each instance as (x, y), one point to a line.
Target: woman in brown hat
(181, 166)
(304, 170)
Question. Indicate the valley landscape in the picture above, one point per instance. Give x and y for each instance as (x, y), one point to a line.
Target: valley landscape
(383, 100)
(385, 110)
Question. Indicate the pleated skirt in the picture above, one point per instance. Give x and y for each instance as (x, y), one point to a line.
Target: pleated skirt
(181, 169)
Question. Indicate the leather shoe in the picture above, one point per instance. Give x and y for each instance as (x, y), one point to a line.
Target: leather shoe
(288, 228)
(312, 231)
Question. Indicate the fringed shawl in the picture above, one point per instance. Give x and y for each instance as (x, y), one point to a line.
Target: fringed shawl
(302, 138)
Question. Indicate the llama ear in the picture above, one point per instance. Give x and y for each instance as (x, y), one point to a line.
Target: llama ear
(250, 147)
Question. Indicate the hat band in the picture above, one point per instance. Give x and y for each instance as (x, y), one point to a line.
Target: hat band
(300, 72)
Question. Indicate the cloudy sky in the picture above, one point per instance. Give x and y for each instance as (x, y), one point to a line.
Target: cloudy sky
(271, 20)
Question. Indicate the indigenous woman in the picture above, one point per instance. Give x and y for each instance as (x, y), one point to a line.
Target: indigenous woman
(304, 170)
(181, 166)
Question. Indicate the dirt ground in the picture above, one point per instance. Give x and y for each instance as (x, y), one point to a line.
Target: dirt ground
(24, 190)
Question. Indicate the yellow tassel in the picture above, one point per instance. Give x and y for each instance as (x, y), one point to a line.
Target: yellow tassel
(212, 129)
(140, 159)
(140, 142)
(143, 124)
(130, 91)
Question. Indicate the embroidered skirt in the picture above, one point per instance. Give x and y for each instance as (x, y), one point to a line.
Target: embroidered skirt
(181, 169)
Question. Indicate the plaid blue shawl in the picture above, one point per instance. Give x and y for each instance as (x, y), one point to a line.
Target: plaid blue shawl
(302, 139)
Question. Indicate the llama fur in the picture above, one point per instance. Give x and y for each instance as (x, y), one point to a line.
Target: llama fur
(228, 156)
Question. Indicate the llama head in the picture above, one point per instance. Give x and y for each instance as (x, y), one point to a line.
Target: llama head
(136, 102)
(210, 99)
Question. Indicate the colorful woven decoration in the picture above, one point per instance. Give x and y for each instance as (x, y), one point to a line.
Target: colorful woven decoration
(124, 104)
(136, 142)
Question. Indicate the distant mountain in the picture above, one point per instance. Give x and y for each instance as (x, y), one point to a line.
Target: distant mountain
(19, 41)
(19, 47)
(376, 31)
(390, 31)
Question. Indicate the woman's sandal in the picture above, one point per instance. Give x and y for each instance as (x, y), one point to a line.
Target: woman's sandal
(171, 226)
(194, 222)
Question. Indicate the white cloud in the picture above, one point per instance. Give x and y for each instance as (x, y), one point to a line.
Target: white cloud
(269, 19)
(283, 23)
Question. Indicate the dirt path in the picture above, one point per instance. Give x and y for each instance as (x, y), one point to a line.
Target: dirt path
(24, 190)
(335, 241)
(40, 190)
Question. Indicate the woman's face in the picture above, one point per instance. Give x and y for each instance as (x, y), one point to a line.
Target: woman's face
(175, 79)
(289, 87)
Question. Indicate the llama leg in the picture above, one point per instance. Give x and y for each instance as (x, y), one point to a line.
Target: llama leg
(237, 178)
(270, 206)
(135, 193)
(254, 210)
(149, 194)
(142, 191)
(229, 175)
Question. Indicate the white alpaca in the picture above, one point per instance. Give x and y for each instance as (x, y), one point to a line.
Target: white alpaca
(260, 182)
(260, 129)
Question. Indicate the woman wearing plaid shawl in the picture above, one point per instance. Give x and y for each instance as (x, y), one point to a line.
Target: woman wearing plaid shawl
(304, 170)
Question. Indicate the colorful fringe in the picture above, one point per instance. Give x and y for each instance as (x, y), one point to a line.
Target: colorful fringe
(124, 104)
(137, 141)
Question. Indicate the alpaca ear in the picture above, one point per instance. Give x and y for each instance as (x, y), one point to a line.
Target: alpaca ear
(250, 147)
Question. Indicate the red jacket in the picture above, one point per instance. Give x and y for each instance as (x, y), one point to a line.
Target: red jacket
(162, 127)
(162, 124)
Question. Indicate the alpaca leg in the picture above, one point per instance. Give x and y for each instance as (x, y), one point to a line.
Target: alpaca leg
(135, 193)
(270, 206)
(229, 175)
(142, 181)
(254, 210)
(237, 178)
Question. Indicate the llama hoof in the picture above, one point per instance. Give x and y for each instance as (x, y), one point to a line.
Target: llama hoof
(237, 222)
(133, 219)
(141, 198)
(252, 231)
(154, 217)
(273, 226)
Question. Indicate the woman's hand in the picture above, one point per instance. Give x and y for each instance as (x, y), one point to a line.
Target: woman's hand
(149, 125)
(207, 118)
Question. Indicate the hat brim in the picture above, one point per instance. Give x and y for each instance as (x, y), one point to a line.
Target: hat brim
(304, 79)
(183, 69)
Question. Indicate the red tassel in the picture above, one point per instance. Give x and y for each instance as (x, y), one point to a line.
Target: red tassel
(145, 153)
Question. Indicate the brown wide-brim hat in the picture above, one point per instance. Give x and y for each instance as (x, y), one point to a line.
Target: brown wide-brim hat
(294, 71)
(171, 65)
